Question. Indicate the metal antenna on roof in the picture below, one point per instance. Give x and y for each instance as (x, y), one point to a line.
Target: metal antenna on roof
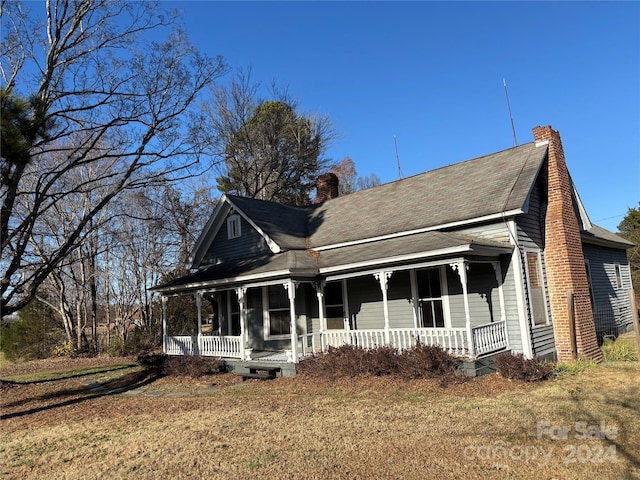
(513, 127)
(397, 157)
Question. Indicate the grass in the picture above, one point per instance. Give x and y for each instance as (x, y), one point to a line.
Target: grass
(622, 349)
(73, 373)
(4, 363)
(306, 428)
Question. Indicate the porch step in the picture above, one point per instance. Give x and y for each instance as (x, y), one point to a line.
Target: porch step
(260, 373)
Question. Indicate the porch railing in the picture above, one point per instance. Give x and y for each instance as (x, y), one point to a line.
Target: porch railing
(487, 338)
(210, 346)
(220, 346)
(490, 337)
(453, 340)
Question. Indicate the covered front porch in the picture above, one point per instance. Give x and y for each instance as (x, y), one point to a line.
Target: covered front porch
(456, 304)
(485, 339)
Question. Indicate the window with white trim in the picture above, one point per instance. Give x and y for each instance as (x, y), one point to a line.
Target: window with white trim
(618, 275)
(334, 305)
(277, 312)
(537, 294)
(233, 226)
(430, 298)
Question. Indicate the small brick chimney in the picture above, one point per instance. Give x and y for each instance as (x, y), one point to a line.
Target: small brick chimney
(564, 258)
(326, 187)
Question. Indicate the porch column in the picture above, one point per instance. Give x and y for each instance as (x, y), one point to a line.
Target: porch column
(164, 324)
(383, 278)
(290, 287)
(498, 269)
(240, 293)
(461, 269)
(321, 318)
(199, 309)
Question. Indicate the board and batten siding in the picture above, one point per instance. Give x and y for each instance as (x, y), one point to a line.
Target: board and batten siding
(249, 244)
(611, 302)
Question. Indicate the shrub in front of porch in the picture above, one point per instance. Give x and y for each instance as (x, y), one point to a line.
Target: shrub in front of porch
(421, 361)
(182, 366)
(428, 361)
(517, 367)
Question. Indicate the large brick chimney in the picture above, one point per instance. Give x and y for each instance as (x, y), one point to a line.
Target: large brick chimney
(564, 259)
(326, 187)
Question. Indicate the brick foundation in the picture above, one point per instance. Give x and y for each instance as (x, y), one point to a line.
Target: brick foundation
(564, 258)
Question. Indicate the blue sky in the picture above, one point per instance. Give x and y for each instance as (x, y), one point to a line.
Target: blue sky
(431, 73)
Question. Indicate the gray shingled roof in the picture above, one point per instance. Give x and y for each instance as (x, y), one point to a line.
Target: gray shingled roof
(285, 224)
(600, 236)
(282, 265)
(464, 191)
(420, 245)
(461, 192)
(299, 263)
(476, 188)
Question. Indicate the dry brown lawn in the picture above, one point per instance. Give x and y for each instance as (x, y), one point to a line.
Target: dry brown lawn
(303, 428)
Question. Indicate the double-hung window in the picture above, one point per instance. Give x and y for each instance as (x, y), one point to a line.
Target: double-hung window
(334, 305)
(537, 294)
(430, 298)
(277, 312)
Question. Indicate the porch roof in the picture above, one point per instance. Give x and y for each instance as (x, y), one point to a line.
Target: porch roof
(309, 263)
(406, 249)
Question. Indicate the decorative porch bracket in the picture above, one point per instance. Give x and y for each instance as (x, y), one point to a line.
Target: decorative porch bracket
(461, 269)
(290, 287)
(383, 278)
(240, 293)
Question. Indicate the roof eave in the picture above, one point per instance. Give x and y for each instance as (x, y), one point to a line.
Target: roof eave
(458, 224)
(470, 248)
(602, 242)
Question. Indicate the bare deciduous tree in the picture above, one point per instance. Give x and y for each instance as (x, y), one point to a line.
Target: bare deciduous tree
(97, 92)
(349, 181)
